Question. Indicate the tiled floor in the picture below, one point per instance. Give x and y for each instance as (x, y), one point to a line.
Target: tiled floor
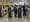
(19, 19)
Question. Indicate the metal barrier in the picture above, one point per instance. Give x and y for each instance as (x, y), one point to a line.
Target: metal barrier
(0, 12)
(19, 12)
(9, 12)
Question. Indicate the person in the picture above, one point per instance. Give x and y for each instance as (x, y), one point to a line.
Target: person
(15, 11)
(24, 10)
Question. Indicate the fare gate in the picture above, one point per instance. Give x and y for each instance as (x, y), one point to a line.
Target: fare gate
(28, 12)
(0, 12)
(9, 12)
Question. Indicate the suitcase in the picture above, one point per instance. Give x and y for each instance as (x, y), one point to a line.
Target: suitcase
(9, 12)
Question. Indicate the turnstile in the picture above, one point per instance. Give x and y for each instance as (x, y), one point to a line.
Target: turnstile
(0, 12)
(28, 13)
(15, 11)
(9, 12)
(19, 12)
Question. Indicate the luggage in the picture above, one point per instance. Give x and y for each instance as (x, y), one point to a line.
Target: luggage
(9, 12)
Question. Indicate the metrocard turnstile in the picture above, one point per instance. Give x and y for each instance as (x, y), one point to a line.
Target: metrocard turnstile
(15, 11)
(19, 12)
(0, 12)
(28, 13)
(9, 12)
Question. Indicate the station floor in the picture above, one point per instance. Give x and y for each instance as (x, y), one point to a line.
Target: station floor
(4, 18)
(13, 19)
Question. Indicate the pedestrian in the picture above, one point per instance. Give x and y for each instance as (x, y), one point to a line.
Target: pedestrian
(15, 11)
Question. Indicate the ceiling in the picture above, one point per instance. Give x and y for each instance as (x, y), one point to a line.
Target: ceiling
(14, 1)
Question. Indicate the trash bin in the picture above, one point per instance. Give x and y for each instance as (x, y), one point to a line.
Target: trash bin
(9, 12)
(19, 12)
